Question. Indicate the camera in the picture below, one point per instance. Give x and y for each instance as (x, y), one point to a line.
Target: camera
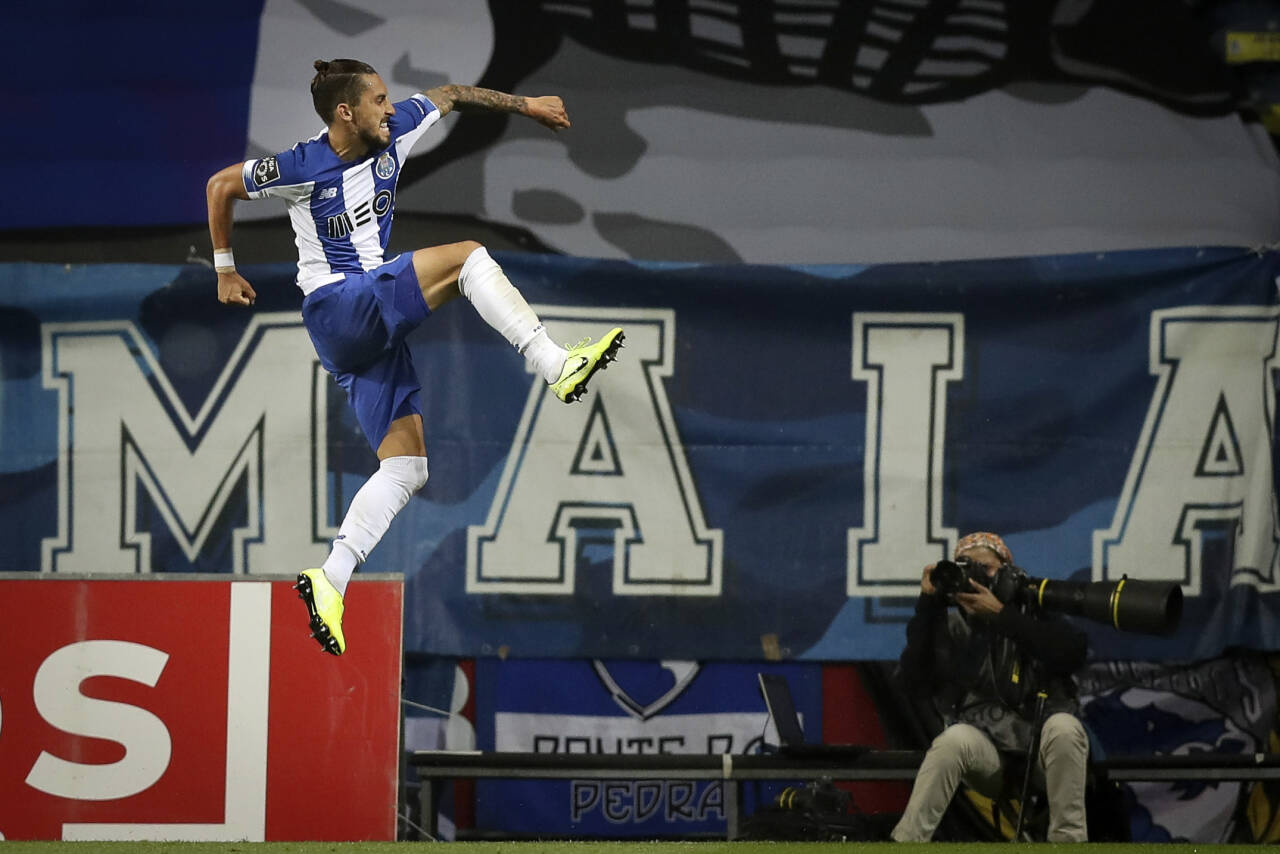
(820, 795)
(952, 576)
(1130, 605)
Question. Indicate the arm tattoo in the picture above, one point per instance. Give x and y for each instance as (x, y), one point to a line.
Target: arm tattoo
(474, 97)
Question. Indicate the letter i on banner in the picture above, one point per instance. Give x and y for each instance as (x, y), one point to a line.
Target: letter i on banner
(906, 360)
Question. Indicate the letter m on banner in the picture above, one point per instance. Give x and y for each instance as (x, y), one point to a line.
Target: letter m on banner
(610, 468)
(121, 424)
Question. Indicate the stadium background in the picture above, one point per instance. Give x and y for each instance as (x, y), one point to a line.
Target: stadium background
(1054, 184)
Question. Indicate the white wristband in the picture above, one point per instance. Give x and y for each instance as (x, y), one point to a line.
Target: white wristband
(224, 261)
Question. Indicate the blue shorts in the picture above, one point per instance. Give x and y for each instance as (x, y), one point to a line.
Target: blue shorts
(358, 326)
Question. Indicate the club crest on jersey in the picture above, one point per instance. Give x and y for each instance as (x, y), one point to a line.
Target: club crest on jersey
(386, 165)
(266, 171)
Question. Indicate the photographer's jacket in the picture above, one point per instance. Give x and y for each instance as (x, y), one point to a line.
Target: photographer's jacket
(988, 672)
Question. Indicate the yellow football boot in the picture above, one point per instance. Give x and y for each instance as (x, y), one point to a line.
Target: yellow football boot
(582, 363)
(324, 607)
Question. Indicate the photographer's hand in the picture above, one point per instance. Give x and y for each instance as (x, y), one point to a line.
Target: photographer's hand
(981, 602)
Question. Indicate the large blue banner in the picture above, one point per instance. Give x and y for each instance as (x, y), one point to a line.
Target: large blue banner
(763, 474)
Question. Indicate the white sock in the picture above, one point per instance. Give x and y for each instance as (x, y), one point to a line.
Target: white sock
(483, 283)
(376, 503)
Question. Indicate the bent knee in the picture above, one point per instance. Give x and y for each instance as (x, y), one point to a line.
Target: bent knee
(416, 474)
(444, 261)
(454, 255)
(409, 471)
(1064, 729)
(1063, 724)
(959, 734)
(960, 740)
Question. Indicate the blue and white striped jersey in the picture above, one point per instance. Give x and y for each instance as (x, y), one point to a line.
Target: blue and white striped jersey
(341, 211)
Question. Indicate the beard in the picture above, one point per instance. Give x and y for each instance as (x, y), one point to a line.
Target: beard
(375, 139)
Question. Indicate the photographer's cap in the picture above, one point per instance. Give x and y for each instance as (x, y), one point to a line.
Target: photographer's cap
(985, 539)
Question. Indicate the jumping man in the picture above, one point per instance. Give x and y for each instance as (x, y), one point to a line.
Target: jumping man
(339, 187)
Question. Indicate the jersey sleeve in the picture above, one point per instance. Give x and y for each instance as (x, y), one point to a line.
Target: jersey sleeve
(414, 113)
(276, 175)
(412, 117)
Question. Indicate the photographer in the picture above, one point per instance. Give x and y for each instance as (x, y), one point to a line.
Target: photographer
(983, 665)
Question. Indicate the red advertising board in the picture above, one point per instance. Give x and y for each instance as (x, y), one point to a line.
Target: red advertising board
(197, 710)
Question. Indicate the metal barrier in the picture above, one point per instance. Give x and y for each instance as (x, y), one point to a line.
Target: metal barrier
(434, 766)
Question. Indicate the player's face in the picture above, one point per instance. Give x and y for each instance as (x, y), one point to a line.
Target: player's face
(371, 114)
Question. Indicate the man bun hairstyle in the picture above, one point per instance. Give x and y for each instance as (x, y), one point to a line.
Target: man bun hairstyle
(338, 81)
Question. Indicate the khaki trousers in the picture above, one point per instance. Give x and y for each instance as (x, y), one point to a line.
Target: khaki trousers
(964, 753)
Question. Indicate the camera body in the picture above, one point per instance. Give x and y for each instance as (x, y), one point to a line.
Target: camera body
(952, 576)
(1151, 607)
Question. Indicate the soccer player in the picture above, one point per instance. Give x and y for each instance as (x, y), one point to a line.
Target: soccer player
(339, 187)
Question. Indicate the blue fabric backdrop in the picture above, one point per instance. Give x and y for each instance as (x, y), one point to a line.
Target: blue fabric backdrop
(763, 474)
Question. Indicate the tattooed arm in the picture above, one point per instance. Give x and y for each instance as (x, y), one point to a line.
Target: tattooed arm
(546, 110)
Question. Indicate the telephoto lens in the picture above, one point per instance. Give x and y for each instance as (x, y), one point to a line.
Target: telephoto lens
(1131, 605)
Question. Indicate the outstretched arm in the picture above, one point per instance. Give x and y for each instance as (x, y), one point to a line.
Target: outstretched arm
(546, 110)
(221, 193)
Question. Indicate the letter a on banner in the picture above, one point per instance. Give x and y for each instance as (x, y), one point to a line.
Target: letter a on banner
(611, 465)
(906, 361)
(1204, 461)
